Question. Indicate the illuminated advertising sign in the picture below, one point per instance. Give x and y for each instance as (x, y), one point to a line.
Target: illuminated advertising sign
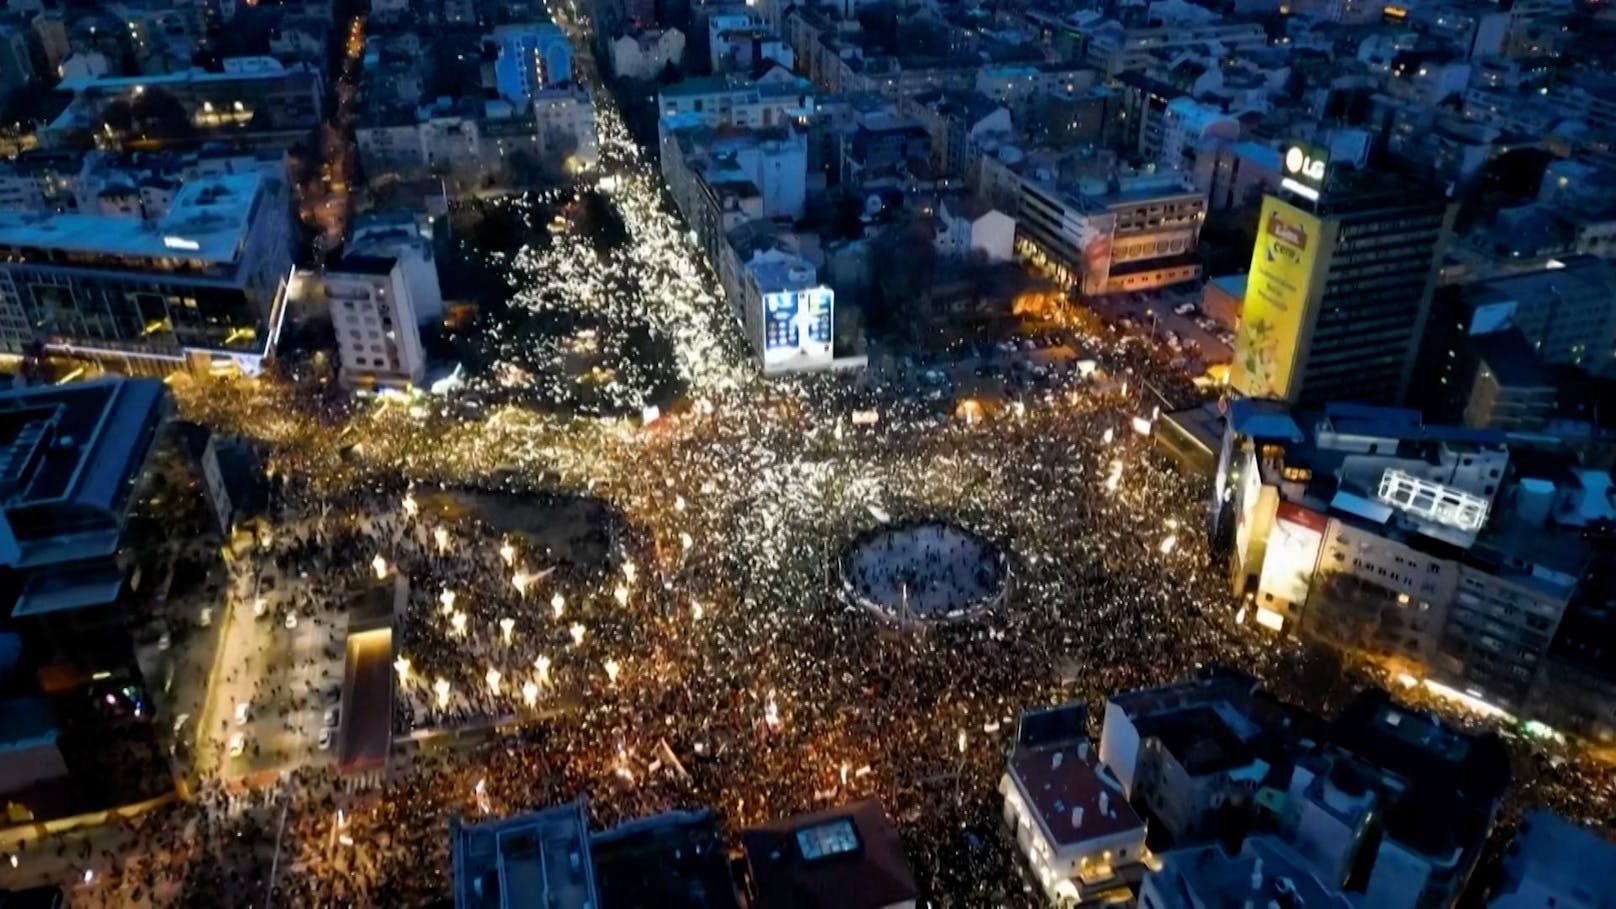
(1293, 552)
(1092, 235)
(1305, 166)
(797, 327)
(1277, 290)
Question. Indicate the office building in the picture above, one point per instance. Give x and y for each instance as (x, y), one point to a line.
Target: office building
(253, 100)
(1566, 312)
(849, 857)
(1443, 554)
(1340, 285)
(79, 728)
(203, 286)
(1069, 813)
(1118, 235)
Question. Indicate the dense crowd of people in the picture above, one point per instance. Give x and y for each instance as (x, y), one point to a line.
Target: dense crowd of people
(683, 641)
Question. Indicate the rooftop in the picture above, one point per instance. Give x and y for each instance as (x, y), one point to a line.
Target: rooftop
(1267, 872)
(535, 859)
(1552, 861)
(1075, 797)
(675, 860)
(847, 858)
(207, 221)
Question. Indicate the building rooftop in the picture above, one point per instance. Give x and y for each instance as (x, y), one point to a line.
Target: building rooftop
(1553, 862)
(207, 221)
(675, 860)
(1267, 872)
(846, 858)
(535, 859)
(1075, 797)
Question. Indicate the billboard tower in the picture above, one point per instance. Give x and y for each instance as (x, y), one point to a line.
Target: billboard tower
(1340, 284)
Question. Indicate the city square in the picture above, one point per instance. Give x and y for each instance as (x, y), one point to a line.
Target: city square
(619, 525)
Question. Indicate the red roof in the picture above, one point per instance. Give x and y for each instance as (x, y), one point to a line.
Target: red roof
(1076, 796)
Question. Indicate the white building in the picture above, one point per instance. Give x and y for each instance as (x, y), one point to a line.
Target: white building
(966, 227)
(378, 337)
(564, 120)
(646, 55)
(788, 316)
(1188, 123)
(1072, 821)
(408, 239)
(734, 100)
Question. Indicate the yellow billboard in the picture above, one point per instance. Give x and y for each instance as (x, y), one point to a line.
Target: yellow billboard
(1271, 319)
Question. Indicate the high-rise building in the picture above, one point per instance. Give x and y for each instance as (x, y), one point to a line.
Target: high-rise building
(81, 718)
(1340, 284)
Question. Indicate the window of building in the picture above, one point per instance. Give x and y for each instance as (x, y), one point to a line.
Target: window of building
(827, 840)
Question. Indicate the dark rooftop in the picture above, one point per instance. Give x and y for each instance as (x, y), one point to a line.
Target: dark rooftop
(843, 858)
(675, 860)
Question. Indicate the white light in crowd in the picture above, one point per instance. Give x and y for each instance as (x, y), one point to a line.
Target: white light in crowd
(612, 669)
(621, 593)
(679, 503)
(542, 664)
(507, 552)
(402, 664)
(458, 623)
(520, 581)
(1168, 544)
(962, 741)
(379, 565)
(685, 541)
(88, 876)
(441, 688)
(493, 678)
(441, 536)
(577, 634)
(505, 626)
(1108, 436)
(447, 598)
(696, 611)
(558, 605)
(629, 572)
(530, 693)
(844, 773)
(771, 713)
(410, 508)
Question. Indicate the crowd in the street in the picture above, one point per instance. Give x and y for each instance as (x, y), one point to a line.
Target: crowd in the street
(683, 640)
